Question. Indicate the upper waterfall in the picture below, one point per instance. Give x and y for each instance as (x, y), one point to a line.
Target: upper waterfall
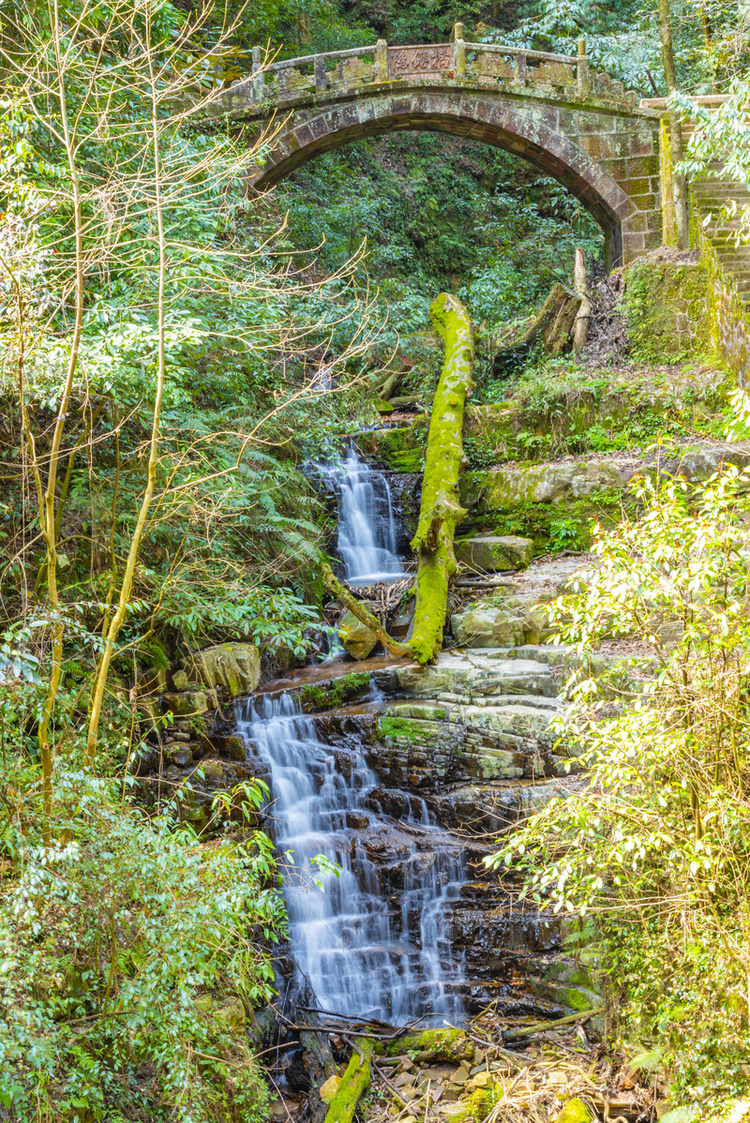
(367, 531)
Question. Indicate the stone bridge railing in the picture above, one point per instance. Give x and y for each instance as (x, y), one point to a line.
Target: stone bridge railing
(564, 76)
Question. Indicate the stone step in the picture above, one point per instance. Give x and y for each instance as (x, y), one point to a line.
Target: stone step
(730, 186)
(477, 673)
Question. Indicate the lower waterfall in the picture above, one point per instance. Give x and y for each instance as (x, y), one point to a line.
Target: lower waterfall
(372, 940)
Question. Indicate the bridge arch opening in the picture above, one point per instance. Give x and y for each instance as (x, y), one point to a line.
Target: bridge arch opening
(520, 133)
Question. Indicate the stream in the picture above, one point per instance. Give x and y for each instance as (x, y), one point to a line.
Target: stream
(369, 938)
(370, 942)
(388, 785)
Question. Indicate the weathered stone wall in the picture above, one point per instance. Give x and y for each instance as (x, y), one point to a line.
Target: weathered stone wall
(729, 316)
(668, 311)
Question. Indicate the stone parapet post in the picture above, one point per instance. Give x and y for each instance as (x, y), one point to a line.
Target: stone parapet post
(459, 53)
(582, 69)
(382, 68)
(259, 80)
(666, 167)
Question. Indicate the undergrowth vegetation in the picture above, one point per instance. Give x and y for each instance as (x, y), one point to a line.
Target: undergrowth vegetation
(111, 946)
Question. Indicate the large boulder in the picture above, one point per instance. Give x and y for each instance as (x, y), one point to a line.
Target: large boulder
(492, 553)
(356, 636)
(233, 666)
(488, 625)
(500, 489)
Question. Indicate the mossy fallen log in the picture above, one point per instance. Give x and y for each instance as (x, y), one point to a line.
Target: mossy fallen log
(363, 615)
(355, 1082)
(430, 1045)
(440, 512)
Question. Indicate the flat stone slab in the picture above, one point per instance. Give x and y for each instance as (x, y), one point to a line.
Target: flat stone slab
(494, 553)
(482, 673)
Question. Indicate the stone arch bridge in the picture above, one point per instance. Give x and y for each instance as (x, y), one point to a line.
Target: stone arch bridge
(573, 123)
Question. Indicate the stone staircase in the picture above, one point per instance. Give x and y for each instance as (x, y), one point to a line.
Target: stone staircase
(711, 196)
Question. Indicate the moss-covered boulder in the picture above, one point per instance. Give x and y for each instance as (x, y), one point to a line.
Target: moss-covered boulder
(400, 448)
(504, 488)
(494, 553)
(235, 667)
(186, 704)
(356, 637)
(431, 1044)
(329, 694)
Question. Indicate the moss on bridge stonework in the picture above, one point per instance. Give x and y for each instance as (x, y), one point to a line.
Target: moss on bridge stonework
(668, 311)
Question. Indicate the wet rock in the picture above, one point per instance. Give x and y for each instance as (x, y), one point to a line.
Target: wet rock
(506, 738)
(492, 808)
(180, 681)
(490, 554)
(233, 666)
(232, 747)
(356, 637)
(177, 754)
(212, 769)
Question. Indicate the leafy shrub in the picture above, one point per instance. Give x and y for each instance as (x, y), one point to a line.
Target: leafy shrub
(108, 940)
(657, 844)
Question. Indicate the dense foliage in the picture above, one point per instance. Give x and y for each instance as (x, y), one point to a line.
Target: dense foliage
(111, 946)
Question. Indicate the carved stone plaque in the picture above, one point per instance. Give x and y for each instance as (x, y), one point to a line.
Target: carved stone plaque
(419, 60)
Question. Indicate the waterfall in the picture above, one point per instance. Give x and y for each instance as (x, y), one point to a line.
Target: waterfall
(367, 533)
(372, 938)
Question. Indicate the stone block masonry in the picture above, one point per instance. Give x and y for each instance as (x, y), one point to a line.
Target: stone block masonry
(576, 125)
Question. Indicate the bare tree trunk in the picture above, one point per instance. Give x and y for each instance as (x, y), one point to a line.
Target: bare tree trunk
(581, 325)
(675, 130)
(128, 577)
(363, 614)
(48, 513)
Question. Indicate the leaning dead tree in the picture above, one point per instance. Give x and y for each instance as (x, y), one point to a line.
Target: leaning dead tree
(440, 511)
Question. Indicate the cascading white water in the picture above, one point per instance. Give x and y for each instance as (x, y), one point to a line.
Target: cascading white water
(368, 948)
(367, 539)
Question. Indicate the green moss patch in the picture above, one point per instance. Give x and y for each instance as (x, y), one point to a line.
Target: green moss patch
(409, 729)
(400, 449)
(329, 695)
(666, 307)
